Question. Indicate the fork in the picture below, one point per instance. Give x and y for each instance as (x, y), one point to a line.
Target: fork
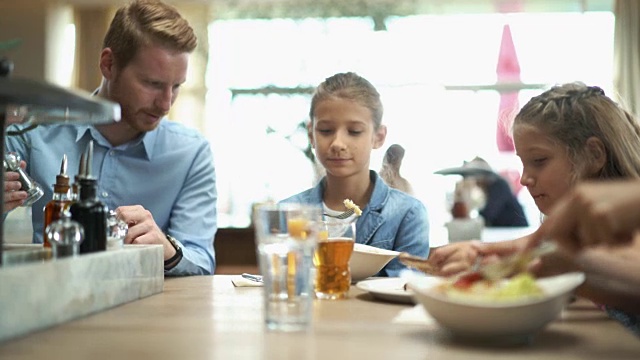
(343, 215)
(508, 265)
(514, 263)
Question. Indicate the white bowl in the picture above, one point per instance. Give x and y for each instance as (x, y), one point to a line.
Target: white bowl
(366, 261)
(501, 322)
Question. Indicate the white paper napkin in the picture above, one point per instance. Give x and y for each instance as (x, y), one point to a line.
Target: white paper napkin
(239, 281)
(414, 316)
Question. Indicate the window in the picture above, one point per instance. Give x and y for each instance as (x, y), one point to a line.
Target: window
(261, 72)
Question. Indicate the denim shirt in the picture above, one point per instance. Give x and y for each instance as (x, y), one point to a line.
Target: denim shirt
(392, 220)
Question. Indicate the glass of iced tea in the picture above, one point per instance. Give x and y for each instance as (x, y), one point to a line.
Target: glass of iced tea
(331, 259)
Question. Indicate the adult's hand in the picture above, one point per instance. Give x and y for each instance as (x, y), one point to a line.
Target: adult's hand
(143, 229)
(557, 262)
(494, 251)
(593, 214)
(13, 196)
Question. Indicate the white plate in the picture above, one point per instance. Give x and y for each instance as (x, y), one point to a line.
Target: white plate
(389, 289)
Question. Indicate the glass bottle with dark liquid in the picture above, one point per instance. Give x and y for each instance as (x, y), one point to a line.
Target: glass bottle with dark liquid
(59, 202)
(88, 210)
(75, 187)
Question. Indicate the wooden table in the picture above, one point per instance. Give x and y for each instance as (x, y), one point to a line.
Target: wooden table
(206, 317)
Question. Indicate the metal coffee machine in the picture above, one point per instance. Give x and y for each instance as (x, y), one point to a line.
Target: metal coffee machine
(33, 102)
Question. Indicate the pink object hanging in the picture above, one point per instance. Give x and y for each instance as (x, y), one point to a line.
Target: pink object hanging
(508, 71)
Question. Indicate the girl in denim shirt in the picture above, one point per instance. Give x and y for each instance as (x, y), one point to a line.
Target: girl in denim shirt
(345, 126)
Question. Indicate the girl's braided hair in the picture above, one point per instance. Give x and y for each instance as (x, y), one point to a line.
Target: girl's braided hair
(572, 113)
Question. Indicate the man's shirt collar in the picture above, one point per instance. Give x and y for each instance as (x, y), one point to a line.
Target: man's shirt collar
(145, 142)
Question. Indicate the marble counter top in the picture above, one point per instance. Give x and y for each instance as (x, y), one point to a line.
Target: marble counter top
(40, 294)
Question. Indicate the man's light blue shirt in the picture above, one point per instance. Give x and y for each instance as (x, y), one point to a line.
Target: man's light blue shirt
(169, 171)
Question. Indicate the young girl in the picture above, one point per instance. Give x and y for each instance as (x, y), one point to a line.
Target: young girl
(566, 136)
(345, 126)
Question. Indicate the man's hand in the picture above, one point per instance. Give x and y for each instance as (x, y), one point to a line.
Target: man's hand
(143, 229)
(13, 196)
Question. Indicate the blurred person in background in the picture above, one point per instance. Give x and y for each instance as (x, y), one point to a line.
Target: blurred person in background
(497, 204)
(390, 170)
(501, 206)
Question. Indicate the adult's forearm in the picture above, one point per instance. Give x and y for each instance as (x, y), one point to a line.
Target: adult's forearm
(614, 293)
(611, 280)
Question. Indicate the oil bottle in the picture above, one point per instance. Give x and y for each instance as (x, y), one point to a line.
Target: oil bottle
(88, 210)
(59, 202)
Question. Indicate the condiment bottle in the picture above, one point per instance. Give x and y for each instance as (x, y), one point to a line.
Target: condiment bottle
(89, 211)
(59, 202)
(65, 236)
(75, 187)
(459, 210)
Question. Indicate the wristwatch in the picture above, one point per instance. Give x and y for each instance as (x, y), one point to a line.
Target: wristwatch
(175, 259)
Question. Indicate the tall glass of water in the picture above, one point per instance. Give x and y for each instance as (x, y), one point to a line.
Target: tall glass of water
(286, 238)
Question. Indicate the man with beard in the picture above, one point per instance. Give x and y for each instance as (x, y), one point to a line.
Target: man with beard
(157, 174)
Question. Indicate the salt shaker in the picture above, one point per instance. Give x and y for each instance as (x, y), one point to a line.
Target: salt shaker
(65, 236)
(116, 231)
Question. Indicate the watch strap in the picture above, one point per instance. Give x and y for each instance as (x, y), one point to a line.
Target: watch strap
(175, 259)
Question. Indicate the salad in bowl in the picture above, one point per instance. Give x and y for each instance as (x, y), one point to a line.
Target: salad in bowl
(509, 310)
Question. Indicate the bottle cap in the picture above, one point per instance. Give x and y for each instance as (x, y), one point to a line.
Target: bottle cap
(62, 179)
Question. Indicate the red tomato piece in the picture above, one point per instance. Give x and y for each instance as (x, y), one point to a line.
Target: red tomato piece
(465, 281)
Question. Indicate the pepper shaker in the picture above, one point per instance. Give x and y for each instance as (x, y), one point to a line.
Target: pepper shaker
(33, 189)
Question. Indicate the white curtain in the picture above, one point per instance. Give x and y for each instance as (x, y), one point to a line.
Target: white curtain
(626, 55)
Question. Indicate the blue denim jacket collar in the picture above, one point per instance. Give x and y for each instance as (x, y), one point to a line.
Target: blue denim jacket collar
(392, 220)
(379, 198)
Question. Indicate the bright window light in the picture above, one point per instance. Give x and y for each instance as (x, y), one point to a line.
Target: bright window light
(257, 136)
